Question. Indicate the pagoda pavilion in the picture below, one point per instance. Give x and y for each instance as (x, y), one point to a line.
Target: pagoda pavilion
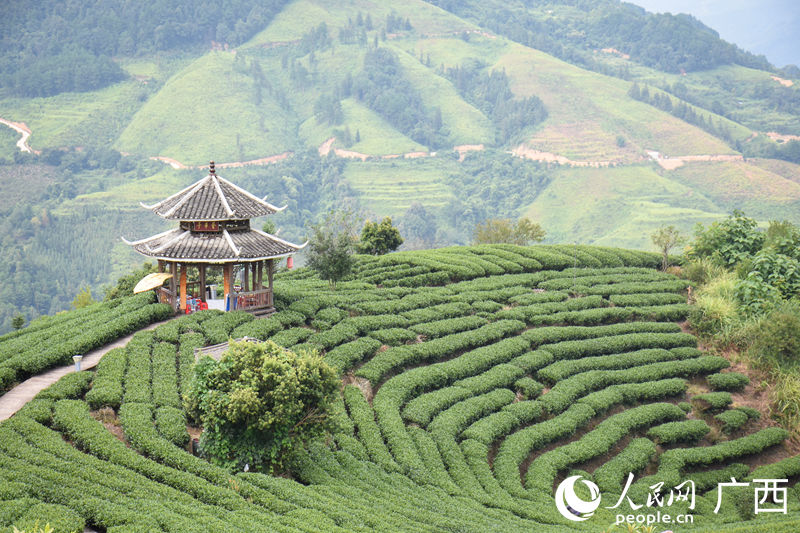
(215, 231)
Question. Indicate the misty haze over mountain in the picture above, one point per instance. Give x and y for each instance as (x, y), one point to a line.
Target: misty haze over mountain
(769, 27)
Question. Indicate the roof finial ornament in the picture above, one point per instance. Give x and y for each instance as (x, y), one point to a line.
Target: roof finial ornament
(211, 167)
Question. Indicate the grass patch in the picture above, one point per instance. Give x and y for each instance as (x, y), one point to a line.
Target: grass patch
(207, 111)
(465, 123)
(619, 206)
(576, 96)
(77, 119)
(378, 137)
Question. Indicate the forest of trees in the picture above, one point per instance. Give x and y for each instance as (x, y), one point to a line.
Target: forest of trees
(492, 184)
(572, 30)
(491, 93)
(383, 87)
(51, 46)
(681, 110)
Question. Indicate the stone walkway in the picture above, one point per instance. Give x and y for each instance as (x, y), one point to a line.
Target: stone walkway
(13, 400)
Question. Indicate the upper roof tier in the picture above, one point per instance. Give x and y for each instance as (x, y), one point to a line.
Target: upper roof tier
(213, 198)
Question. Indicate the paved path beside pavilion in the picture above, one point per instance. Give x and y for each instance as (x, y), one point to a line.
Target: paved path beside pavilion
(13, 400)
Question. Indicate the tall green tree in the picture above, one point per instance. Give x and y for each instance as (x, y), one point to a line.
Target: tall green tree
(379, 238)
(18, 321)
(259, 402)
(504, 230)
(728, 241)
(83, 298)
(665, 239)
(331, 246)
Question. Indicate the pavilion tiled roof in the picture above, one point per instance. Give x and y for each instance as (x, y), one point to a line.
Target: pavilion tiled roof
(213, 198)
(184, 245)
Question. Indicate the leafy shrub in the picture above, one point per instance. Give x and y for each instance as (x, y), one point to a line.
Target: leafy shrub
(347, 355)
(544, 469)
(455, 419)
(729, 381)
(636, 300)
(778, 337)
(713, 400)
(529, 387)
(635, 457)
(423, 408)
(728, 241)
(393, 336)
(171, 424)
(447, 326)
(40, 349)
(138, 372)
(73, 386)
(58, 517)
(492, 427)
(731, 420)
(107, 388)
(499, 376)
(338, 334)
(165, 375)
(40, 410)
(261, 393)
(368, 432)
(258, 329)
(684, 431)
(292, 336)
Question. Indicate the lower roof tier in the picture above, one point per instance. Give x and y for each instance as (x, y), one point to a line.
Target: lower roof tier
(188, 246)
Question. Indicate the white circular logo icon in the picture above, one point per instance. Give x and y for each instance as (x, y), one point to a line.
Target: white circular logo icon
(570, 505)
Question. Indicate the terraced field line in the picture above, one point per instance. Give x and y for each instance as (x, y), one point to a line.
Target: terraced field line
(16, 398)
(23, 129)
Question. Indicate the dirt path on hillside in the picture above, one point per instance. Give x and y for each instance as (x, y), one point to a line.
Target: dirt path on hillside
(775, 136)
(785, 83)
(174, 163)
(527, 152)
(326, 147)
(25, 131)
(16, 398)
(673, 162)
(463, 149)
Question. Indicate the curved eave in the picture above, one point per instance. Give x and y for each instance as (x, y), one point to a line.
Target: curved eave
(216, 261)
(178, 246)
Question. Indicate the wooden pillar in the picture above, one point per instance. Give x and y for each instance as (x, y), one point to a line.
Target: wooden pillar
(260, 275)
(183, 286)
(254, 276)
(173, 269)
(202, 268)
(226, 279)
(160, 266)
(246, 278)
(270, 269)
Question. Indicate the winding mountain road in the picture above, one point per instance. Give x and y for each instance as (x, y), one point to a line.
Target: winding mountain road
(22, 128)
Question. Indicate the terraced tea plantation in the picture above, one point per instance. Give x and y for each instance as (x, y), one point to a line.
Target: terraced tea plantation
(53, 340)
(475, 380)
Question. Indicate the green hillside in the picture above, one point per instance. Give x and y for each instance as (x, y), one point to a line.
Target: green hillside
(475, 380)
(197, 116)
(613, 142)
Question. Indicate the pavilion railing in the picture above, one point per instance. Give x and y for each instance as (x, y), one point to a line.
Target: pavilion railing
(254, 299)
(165, 296)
